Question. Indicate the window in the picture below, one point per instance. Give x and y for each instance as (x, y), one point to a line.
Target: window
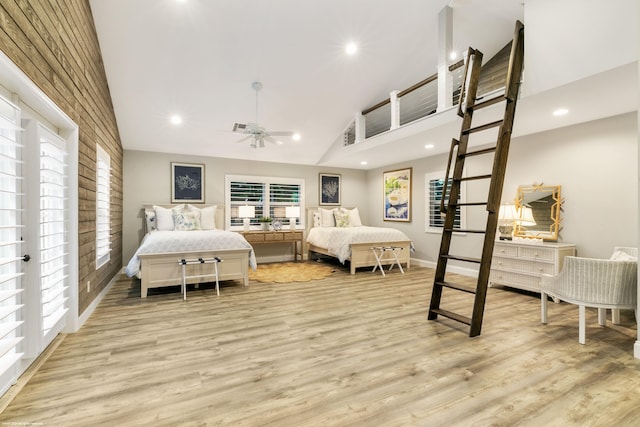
(269, 196)
(103, 215)
(11, 242)
(53, 228)
(434, 185)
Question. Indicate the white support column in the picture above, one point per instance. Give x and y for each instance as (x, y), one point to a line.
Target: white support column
(445, 45)
(361, 130)
(395, 109)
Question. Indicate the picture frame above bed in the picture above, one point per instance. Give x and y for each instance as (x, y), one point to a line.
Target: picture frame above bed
(397, 195)
(330, 190)
(187, 182)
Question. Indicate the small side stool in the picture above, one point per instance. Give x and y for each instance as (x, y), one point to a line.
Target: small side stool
(184, 262)
(380, 251)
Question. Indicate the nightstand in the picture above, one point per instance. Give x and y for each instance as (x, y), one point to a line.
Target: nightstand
(271, 237)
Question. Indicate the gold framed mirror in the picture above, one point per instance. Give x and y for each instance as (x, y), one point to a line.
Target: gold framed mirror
(539, 207)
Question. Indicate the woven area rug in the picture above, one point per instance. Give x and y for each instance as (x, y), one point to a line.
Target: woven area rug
(286, 272)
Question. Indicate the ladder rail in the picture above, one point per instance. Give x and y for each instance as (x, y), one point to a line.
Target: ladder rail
(449, 199)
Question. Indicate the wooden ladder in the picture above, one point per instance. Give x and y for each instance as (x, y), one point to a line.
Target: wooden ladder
(466, 107)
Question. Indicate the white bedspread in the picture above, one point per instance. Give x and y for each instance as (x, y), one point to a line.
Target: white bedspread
(337, 239)
(186, 241)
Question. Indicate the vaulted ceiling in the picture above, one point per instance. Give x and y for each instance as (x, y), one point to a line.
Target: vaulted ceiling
(198, 59)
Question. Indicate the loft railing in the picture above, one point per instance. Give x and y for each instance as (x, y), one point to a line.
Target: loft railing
(421, 99)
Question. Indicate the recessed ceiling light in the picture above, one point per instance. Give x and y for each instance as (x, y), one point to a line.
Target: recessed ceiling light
(429, 146)
(175, 120)
(351, 48)
(363, 162)
(560, 112)
(296, 137)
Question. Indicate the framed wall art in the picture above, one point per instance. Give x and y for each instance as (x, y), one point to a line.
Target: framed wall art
(187, 182)
(397, 195)
(330, 189)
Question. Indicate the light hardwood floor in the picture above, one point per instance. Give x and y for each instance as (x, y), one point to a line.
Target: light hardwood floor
(342, 351)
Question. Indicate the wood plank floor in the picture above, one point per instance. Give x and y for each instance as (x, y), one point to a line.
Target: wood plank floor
(342, 351)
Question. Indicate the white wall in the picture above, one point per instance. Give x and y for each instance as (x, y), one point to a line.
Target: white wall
(596, 164)
(147, 179)
(568, 40)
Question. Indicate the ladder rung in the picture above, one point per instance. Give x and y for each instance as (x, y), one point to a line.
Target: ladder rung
(456, 230)
(451, 315)
(458, 286)
(463, 258)
(488, 102)
(472, 178)
(478, 152)
(482, 127)
(470, 204)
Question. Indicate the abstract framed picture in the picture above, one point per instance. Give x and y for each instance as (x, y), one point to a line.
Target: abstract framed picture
(187, 182)
(330, 189)
(397, 195)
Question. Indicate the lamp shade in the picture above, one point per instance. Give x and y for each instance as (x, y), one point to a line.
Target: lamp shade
(507, 214)
(246, 211)
(292, 212)
(526, 217)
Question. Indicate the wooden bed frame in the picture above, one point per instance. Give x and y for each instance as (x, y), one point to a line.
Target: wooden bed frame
(163, 269)
(361, 253)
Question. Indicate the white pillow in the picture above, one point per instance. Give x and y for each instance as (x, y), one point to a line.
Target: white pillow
(354, 217)
(622, 256)
(186, 221)
(164, 217)
(150, 218)
(326, 218)
(317, 219)
(207, 216)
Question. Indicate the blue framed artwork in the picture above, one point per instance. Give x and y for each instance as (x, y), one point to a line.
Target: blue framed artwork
(187, 182)
(330, 189)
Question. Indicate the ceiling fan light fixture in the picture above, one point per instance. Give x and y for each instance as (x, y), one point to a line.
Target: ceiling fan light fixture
(254, 132)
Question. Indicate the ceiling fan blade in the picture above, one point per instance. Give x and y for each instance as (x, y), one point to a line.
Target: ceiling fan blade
(282, 133)
(246, 138)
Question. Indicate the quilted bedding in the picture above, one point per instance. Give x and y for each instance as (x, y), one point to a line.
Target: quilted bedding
(188, 241)
(337, 240)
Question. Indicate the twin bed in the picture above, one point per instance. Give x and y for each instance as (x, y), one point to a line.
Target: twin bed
(177, 232)
(157, 261)
(339, 233)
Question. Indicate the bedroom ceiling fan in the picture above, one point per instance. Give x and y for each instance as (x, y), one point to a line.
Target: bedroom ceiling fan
(254, 132)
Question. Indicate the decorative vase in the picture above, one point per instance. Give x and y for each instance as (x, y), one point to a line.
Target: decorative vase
(265, 226)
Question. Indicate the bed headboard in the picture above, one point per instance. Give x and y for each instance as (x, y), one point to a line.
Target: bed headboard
(219, 219)
(311, 210)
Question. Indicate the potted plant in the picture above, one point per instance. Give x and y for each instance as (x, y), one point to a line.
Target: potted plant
(265, 221)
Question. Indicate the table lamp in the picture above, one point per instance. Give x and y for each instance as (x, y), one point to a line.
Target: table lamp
(506, 217)
(292, 212)
(246, 213)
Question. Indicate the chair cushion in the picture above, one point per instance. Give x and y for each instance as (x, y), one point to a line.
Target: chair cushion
(622, 256)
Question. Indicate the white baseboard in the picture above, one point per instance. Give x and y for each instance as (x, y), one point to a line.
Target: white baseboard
(79, 321)
(636, 349)
(450, 268)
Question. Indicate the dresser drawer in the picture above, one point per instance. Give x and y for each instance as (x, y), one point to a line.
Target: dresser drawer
(504, 250)
(273, 237)
(524, 266)
(532, 252)
(515, 280)
(292, 235)
(254, 238)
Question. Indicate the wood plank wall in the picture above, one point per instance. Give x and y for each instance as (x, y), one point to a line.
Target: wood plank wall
(54, 42)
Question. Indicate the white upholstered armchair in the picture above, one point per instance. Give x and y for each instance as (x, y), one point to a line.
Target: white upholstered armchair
(601, 283)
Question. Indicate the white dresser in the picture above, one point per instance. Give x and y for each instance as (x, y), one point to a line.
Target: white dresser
(519, 264)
